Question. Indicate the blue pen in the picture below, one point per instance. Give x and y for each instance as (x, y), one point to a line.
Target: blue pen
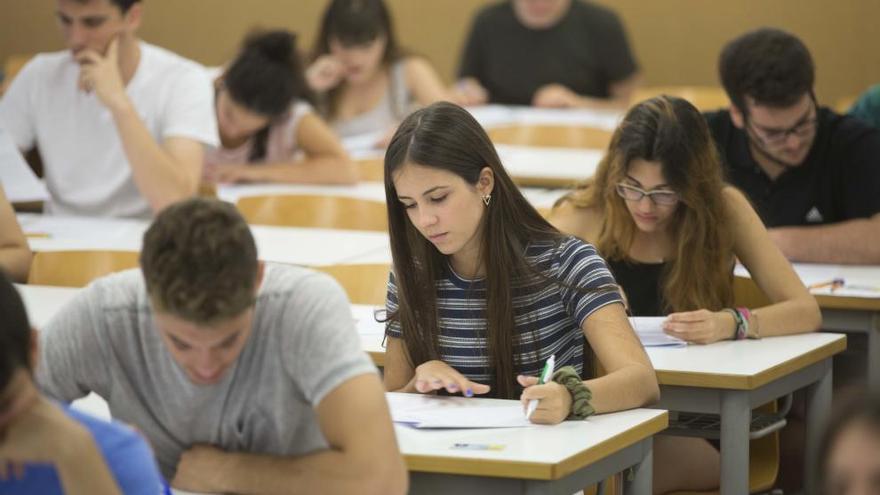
(546, 373)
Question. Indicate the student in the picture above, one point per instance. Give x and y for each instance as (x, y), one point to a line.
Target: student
(50, 449)
(120, 124)
(670, 229)
(266, 122)
(365, 82)
(484, 290)
(867, 107)
(812, 175)
(243, 377)
(547, 53)
(15, 254)
(849, 455)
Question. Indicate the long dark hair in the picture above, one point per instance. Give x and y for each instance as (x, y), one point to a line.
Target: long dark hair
(673, 132)
(266, 77)
(445, 136)
(15, 335)
(353, 23)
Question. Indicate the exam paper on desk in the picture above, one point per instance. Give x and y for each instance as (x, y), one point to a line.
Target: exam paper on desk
(431, 411)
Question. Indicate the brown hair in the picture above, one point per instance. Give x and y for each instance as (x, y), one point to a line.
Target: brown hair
(353, 23)
(445, 136)
(199, 261)
(671, 131)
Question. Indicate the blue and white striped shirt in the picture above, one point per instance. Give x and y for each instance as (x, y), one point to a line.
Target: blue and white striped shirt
(548, 319)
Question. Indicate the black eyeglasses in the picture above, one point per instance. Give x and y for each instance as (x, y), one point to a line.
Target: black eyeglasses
(660, 198)
(805, 126)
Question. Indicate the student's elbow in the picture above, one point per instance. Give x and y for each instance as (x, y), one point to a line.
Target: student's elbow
(812, 315)
(650, 389)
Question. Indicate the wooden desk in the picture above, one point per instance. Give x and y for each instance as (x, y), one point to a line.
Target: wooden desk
(299, 246)
(561, 136)
(559, 459)
(542, 167)
(849, 309)
(541, 198)
(732, 378)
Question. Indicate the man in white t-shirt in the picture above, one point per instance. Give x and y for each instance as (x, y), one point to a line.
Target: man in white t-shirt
(120, 124)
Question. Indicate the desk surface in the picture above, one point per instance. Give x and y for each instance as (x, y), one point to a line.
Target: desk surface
(535, 452)
(293, 245)
(742, 365)
(861, 291)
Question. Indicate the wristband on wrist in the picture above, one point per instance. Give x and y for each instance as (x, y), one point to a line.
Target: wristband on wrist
(581, 396)
(737, 323)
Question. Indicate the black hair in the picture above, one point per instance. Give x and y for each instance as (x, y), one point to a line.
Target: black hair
(769, 65)
(15, 332)
(266, 77)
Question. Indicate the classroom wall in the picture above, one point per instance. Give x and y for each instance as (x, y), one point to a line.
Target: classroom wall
(676, 41)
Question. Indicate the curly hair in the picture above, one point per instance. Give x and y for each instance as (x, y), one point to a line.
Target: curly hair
(769, 65)
(199, 261)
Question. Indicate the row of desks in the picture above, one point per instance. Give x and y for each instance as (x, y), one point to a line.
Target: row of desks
(725, 378)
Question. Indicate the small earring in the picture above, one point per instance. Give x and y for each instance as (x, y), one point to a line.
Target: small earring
(487, 198)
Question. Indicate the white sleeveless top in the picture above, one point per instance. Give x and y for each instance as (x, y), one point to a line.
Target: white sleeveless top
(391, 109)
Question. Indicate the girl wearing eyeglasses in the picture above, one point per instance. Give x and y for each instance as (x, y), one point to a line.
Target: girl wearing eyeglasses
(671, 230)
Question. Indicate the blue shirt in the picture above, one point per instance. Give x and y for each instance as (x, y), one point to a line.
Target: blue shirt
(127, 454)
(548, 317)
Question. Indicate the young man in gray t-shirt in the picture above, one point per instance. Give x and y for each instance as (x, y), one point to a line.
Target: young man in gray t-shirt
(245, 379)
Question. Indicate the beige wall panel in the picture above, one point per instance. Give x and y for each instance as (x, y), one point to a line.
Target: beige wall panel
(676, 41)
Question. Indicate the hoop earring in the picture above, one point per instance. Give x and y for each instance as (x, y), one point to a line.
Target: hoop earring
(487, 198)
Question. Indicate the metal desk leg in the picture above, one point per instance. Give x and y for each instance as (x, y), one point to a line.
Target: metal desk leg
(735, 418)
(874, 353)
(818, 411)
(643, 474)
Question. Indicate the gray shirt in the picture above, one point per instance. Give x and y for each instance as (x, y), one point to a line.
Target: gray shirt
(303, 345)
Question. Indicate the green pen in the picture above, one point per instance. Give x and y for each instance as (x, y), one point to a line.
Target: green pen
(546, 373)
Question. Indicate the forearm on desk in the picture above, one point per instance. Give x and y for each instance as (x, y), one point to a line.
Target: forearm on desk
(853, 241)
(317, 170)
(626, 388)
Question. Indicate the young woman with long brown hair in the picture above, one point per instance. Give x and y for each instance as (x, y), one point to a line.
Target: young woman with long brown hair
(364, 81)
(660, 213)
(484, 289)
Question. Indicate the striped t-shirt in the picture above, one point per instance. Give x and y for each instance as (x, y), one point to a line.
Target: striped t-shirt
(548, 319)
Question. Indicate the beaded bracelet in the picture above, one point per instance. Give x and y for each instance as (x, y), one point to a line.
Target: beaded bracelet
(738, 320)
(581, 396)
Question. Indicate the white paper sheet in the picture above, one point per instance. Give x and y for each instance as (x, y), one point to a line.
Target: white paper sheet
(428, 411)
(858, 280)
(19, 181)
(650, 332)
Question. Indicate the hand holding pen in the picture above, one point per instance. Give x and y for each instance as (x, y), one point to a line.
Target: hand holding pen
(545, 401)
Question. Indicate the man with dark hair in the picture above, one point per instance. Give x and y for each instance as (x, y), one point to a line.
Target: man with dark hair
(119, 124)
(547, 53)
(813, 175)
(48, 449)
(245, 379)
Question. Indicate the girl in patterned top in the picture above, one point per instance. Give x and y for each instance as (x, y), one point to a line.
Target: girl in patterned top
(484, 290)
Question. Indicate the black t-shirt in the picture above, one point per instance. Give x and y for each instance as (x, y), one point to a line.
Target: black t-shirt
(585, 51)
(641, 284)
(839, 180)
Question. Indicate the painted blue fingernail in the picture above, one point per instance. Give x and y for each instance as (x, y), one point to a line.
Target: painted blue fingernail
(468, 393)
